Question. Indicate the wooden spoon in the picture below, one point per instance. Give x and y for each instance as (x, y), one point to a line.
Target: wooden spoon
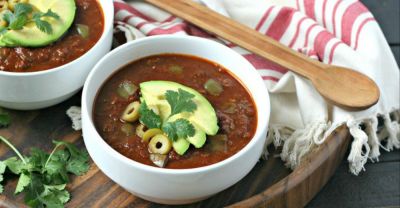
(341, 86)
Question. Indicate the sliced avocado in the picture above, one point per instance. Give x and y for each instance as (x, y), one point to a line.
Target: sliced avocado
(199, 139)
(31, 36)
(180, 146)
(205, 118)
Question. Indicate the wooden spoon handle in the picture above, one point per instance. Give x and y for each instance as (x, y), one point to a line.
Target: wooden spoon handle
(239, 34)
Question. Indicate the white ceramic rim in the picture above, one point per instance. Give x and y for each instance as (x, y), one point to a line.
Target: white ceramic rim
(152, 169)
(108, 22)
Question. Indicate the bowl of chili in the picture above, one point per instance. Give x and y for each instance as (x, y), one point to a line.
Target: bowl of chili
(157, 65)
(41, 76)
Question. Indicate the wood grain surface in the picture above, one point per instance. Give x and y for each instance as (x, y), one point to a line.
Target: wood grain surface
(269, 183)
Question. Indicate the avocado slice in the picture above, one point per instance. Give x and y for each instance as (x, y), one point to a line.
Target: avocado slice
(199, 139)
(180, 146)
(31, 36)
(204, 117)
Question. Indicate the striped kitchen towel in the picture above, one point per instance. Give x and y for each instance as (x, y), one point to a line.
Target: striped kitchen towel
(339, 32)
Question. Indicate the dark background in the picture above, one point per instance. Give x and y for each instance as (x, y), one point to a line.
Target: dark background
(379, 186)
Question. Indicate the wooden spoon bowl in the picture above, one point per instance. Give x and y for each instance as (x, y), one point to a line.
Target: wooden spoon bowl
(345, 88)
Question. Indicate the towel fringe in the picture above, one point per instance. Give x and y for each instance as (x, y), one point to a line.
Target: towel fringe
(393, 128)
(366, 144)
(302, 142)
(373, 140)
(359, 148)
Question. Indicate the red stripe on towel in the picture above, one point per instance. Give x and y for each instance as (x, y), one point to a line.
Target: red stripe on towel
(264, 18)
(296, 35)
(320, 43)
(334, 17)
(174, 29)
(270, 78)
(309, 7)
(308, 33)
(332, 52)
(349, 17)
(360, 28)
(324, 13)
(280, 23)
(122, 6)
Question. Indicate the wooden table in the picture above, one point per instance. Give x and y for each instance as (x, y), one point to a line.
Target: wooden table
(379, 186)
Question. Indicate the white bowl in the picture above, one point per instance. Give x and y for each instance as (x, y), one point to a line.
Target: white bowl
(34, 90)
(171, 186)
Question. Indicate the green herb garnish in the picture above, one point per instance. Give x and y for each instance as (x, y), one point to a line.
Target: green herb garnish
(180, 101)
(148, 117)
(4, 119)
(42, 176)
(43, 25)
(181, 128)
(17, 19)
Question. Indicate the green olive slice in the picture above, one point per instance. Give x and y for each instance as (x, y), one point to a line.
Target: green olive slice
(160, 144)
(131, 112)
(140, 130)
(150, 133)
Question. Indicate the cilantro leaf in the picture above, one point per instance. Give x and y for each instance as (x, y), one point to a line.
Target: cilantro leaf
(50, 13)
(8, 16)
(54, 195)
(23, 14)
(78, 162)
(170, 130)
(22, 9)
(148, 117)
(18, 22)
(33, 191)
(37, 159)
(14, 165)
(43, 26)
(180, 128)
(43, 176)
(2, 170)
(23, 181)
(180, 101)
(4, 119)
(19, 18)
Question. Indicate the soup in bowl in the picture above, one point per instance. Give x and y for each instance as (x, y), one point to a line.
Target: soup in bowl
(174, 113)
(47, 60)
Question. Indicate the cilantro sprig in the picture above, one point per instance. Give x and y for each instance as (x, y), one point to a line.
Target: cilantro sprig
(180, 128)
(148, 117)
(23, 14)
(180, 101)
(42, 176)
